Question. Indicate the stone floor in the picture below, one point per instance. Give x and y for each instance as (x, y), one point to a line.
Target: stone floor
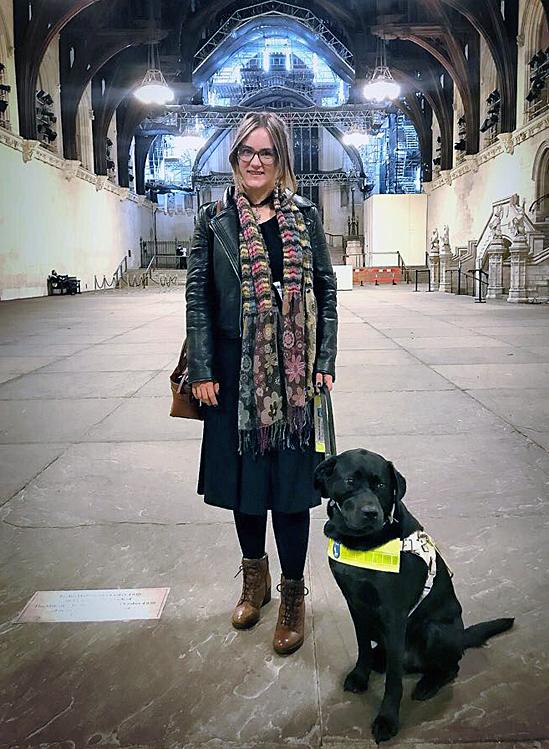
(98, 491)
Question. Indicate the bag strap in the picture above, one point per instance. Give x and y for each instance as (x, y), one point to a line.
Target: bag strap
(328, 421)
(182, 363)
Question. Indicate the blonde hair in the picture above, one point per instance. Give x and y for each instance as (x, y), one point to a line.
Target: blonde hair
(279, 134)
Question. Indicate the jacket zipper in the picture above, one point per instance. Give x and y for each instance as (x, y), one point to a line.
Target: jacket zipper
(234, 267)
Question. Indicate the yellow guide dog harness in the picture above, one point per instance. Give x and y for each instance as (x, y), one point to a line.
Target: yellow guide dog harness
(386, 558)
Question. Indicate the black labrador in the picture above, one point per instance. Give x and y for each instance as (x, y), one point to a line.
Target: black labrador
(366, 511)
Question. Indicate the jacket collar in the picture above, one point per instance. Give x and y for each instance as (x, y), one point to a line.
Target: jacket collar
(227, 201)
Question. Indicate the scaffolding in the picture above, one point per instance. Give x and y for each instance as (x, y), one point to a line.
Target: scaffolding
(281, 10)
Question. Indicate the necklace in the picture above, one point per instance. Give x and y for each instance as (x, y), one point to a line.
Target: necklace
(257, 207)
(266, 200)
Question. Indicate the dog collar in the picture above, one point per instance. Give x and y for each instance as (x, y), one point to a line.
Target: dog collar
(386, 558)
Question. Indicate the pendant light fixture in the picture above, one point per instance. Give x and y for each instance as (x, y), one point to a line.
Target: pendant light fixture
(381, 86)
(154, 89)
(191, 139)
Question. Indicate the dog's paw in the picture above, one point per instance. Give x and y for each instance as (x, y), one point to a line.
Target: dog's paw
(384, 728)
(355, 681)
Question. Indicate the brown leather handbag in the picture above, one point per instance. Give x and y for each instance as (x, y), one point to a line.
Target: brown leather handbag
(184, 404)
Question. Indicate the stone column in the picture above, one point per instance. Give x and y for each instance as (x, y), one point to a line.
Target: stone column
(495, 268)
(519, 254)
(444, 278)
(434, 267)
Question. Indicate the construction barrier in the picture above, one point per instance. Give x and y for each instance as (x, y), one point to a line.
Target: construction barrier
(377, 275)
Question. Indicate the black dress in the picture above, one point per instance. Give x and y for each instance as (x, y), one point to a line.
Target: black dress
(281, 479)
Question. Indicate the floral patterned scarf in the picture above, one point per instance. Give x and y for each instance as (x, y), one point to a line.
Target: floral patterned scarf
(278, 352)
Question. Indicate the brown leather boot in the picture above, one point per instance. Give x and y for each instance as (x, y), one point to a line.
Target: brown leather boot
(256, 592)
(290, 627)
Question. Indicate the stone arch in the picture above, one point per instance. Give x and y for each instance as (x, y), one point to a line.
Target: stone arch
(534, 23)
(489, 81)
(48, 80)
(84, 133)
(5, 46)
(533, 35)
(540, 175)
(6, 53)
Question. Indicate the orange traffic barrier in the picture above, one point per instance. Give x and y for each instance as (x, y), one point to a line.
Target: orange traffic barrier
(376, 275)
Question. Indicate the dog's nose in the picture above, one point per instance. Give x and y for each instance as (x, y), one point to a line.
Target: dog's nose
(370, 513)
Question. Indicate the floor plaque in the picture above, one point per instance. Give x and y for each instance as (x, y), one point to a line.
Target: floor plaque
(94, 605)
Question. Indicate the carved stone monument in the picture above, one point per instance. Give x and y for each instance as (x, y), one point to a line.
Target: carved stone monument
(495, 252)
(519, 250)
(445, 256)
(434, 258)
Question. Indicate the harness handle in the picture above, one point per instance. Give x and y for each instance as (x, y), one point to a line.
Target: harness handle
(328, 422)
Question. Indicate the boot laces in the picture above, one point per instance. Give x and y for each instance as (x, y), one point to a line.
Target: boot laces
(249, 581)
(291, 600)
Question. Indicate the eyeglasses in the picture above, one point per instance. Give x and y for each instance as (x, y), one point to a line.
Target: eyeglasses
(266, 155)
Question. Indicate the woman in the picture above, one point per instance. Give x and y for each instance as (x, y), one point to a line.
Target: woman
(258, 271)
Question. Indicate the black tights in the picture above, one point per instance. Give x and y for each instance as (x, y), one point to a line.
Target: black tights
(291, 534)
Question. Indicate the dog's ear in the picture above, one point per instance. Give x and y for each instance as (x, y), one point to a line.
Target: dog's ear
(322, 473)
(399, 485)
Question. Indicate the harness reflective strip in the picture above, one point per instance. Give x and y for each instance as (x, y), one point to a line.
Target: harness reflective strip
(386, 558)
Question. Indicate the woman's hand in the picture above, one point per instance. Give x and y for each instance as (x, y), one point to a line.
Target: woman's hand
(205, 391)
(322, 378)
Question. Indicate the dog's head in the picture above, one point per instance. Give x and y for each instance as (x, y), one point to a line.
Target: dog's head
(366, 488)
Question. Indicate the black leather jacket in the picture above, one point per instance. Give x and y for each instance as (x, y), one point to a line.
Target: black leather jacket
(214, 300)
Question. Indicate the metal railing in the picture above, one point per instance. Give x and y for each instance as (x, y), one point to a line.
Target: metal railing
(480, 283)
(400, 263)
(161, 248)
(423, 270)
(336, 241)
(461, 286)
(477, 288)
(116, 279)
(167, 262)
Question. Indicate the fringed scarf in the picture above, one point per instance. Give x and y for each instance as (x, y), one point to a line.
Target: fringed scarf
(275, 402)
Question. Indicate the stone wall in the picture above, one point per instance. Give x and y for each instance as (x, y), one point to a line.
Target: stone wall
(55, 214)
(395, 223)
(463, 197)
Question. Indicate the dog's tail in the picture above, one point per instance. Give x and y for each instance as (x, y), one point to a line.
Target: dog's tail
(477, 635)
